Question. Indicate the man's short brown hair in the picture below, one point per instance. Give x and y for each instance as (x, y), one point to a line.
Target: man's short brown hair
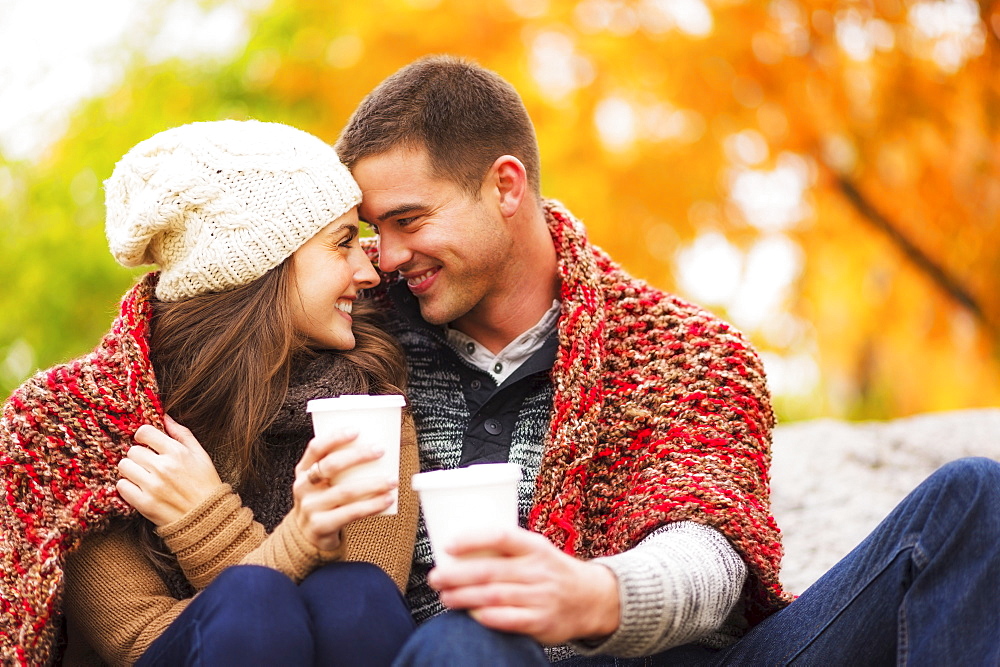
(464, 115)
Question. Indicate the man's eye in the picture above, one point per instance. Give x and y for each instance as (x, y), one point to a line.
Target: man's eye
(402, 222)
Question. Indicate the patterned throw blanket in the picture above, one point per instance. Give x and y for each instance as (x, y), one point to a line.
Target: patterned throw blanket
(661, 413)
(62, 434)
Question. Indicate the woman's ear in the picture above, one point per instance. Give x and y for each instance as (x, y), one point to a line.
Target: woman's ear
(510, 179)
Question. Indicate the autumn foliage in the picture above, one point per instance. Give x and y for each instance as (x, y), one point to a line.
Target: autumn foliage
(824, 174)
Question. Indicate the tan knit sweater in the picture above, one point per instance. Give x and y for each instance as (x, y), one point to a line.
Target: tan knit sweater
(116, 604)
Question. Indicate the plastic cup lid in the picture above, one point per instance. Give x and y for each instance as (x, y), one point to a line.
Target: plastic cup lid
(356, 402)
(474, 475)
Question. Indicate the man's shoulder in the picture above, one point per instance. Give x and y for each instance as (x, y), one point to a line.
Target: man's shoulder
(638, 311)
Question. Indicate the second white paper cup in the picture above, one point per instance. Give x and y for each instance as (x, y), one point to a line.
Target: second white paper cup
(376, 420)
(478, 498)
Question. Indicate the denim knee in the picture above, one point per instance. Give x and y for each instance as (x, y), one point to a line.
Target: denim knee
(978, 472)
(355, 581)
(250, 583)
(257, 605)
(359, 615)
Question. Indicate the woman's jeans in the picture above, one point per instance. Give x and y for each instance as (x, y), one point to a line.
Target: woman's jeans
(341, 614)
(922, 589)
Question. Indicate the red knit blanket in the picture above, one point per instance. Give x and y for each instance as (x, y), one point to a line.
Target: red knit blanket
(62, 434)
(661, 413)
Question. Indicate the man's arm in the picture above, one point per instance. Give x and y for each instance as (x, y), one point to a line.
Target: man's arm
(675, 586)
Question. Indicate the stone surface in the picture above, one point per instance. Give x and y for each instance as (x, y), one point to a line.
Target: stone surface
(832, 482)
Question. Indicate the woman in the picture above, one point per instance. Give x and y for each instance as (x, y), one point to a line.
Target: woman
(253, 312)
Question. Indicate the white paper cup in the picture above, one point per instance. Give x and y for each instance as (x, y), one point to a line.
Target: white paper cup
(376, 420)
(480, 498)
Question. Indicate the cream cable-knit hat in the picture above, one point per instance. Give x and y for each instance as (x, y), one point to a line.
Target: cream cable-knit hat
(218, 204)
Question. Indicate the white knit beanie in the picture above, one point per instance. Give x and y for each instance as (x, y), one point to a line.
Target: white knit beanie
(218, 204)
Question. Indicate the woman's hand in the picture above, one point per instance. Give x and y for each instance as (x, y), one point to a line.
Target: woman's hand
(323, 508)
(166, 475)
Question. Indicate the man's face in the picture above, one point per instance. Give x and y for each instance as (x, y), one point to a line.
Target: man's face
(448, 245)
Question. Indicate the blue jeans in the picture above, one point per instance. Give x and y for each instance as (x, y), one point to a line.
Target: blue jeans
(922, 589)
(341, 614)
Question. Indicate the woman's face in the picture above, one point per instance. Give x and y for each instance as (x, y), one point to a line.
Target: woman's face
(327, 272)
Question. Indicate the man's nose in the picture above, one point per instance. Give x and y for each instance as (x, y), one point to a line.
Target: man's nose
(391, 253)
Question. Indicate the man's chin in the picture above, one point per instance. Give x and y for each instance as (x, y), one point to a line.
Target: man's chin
(434, 314)
(433, 317)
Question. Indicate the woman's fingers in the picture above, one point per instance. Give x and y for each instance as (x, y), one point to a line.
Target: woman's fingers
(133, 472)
(154, 438)
(322, 522)
(340, 461)
(129, 492)
(320, 447)
(347, 493)
(163, 442)
(181, 434)
(141, 458)
(332, 521)
(323, 511)
(167, 475)
(325, 502)
(327, 469)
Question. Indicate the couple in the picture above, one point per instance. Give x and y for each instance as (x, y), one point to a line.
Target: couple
(642, 425)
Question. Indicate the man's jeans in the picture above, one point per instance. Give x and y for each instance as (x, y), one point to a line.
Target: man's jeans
(922, 589)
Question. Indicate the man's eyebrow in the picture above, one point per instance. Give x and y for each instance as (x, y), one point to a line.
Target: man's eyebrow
(399, 210)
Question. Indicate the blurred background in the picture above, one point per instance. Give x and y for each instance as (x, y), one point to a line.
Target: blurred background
(825, 175)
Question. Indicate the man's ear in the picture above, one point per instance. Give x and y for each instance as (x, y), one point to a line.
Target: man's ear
(510, 179)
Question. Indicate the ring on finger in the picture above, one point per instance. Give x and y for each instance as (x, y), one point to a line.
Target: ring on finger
(315, 475)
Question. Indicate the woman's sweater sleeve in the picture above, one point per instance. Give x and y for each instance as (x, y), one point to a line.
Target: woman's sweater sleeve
(221, 532)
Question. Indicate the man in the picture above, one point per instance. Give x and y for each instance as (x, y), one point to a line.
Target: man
(641, 422)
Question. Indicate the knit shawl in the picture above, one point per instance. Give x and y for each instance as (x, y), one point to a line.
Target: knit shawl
(62, 434)
(661, 413)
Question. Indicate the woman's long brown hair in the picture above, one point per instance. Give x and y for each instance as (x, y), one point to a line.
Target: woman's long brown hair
(223, 363)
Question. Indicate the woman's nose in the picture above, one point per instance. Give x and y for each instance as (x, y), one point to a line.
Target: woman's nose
(365, 275)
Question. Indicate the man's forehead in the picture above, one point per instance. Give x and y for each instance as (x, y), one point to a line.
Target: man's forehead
(395, 164)
(396, 182)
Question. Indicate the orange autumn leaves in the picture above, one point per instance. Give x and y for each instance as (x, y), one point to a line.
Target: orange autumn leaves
(824, 174)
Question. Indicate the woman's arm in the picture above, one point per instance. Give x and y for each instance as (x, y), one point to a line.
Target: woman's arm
(120, 605)
(221, 532)
(171, 480)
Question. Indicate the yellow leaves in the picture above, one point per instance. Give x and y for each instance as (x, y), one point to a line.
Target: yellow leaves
(660, 128)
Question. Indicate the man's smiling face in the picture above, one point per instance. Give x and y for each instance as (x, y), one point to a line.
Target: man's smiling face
(446, 243)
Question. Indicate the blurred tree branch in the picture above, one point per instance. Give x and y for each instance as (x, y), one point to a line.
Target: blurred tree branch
(939, 274)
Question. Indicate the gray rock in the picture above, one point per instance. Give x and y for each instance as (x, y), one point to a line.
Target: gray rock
(832, 481)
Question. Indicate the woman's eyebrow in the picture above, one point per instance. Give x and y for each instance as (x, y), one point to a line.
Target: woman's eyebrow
(346, 226)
